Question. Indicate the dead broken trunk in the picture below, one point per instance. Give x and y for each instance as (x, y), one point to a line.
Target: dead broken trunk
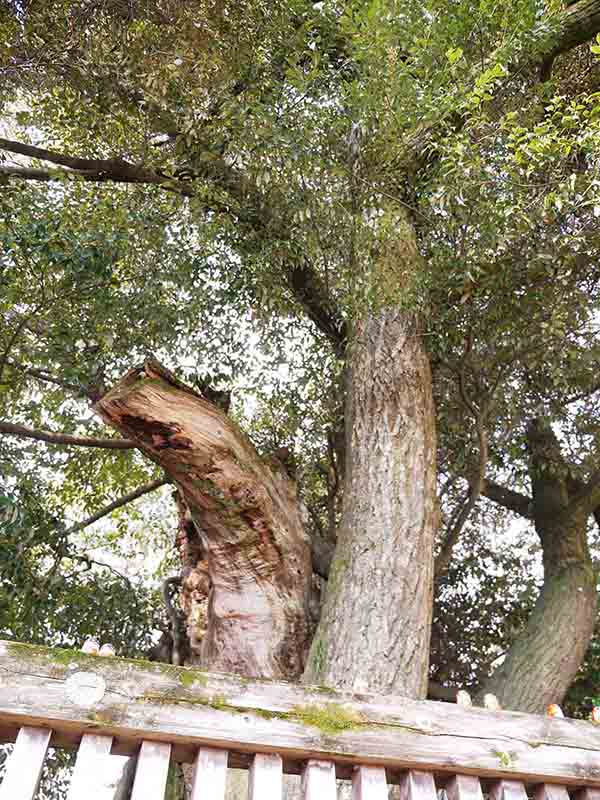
(246, 512)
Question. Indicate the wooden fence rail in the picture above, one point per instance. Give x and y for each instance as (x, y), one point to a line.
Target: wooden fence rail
(130, 720)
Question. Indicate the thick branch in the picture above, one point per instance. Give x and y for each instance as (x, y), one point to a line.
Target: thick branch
(577, 24)
(146, 488)
(507, 498)
(107, 169)
(247, 510)
(65, 438)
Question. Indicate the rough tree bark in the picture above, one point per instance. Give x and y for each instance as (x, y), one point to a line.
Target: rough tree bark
(375, 626)
(545, 656)
(247, 515)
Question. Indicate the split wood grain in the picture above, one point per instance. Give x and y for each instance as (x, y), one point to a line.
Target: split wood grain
(210, 775)
(25, 764)
(318, 780)
(265, 781)
(369, 783)
(152, 771)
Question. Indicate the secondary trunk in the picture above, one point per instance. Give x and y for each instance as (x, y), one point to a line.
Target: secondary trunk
(545, 657)
(375, 626)
(246, 512)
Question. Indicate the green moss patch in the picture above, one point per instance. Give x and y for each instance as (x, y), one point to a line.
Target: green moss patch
(331, 718)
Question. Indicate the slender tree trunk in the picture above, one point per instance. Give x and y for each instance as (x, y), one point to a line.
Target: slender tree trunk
(375, 627)
(545, 657)
(246, 512)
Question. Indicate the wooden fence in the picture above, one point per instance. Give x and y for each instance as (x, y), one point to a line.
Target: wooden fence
(131, 719)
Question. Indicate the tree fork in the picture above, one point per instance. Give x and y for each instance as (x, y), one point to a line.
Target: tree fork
(246, 512)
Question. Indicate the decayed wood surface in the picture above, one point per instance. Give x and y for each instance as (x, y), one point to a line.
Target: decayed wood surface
(246, 510)
(25, 765)
(191, 709)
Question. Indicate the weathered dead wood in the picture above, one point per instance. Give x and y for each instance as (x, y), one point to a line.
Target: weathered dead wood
(190, 709)
(247, 514)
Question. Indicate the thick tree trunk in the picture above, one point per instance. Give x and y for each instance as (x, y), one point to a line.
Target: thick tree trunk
(375, 626)
(545, 657)
(246, 512)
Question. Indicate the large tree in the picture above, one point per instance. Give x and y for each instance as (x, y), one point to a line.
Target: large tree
(400, 201)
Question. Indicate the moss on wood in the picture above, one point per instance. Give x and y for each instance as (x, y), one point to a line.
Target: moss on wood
(330, 718)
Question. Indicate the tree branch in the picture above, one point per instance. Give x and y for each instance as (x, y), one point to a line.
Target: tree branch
(64, 438)
(507, 498)
(577, 24)
(44, 376)
(304, 282)
(146, 488)
(476, 484)
(89, 169)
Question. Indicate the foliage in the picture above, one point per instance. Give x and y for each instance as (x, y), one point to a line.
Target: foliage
(293, 133)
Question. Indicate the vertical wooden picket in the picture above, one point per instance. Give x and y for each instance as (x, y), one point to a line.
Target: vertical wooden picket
(416, 785)
(265, 781)
(369, 783)
(464, 787)
(318, 780)
(548, 791)
(25, 764)
(152, 771)
(97, 774)
(508, 790)
(210, 774)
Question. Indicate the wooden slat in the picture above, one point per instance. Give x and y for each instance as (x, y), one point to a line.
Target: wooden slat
(25, 764)
(196, 709)
(417, 785)
(549, 791)
(152, 771)
(210, 775)
(318, 780)
(508, 790)
(99, 775)
(265, 781)
(369, 783)
(465, 787)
